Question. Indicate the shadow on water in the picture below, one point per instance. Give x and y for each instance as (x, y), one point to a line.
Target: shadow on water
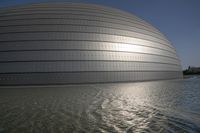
(159, 106)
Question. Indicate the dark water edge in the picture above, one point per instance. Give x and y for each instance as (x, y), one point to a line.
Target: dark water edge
(158, 106)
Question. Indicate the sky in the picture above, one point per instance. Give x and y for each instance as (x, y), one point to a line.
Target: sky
(178, 20)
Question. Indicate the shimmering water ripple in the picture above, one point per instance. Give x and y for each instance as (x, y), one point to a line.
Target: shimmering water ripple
(160, 106)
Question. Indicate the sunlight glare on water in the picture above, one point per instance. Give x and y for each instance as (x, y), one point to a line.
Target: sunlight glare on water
(159, 106)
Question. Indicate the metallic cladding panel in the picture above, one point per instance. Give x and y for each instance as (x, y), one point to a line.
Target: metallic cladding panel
(81, 43)
(82, 55)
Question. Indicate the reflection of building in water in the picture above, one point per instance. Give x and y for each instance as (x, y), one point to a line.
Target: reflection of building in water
(80, 43)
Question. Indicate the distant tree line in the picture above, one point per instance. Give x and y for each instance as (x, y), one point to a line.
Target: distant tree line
(192, 70)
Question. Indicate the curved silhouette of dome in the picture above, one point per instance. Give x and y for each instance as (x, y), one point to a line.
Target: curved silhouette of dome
(59, 43)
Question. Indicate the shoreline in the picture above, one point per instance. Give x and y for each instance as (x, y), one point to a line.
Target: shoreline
(190, 76)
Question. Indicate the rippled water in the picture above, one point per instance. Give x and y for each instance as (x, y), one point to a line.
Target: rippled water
(159, 106)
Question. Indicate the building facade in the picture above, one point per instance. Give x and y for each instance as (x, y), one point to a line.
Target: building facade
(61, 43)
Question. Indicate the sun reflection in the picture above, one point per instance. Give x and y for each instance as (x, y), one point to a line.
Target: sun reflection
(138, 105)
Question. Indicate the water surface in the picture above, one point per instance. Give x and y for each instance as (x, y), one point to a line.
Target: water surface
(158, 106)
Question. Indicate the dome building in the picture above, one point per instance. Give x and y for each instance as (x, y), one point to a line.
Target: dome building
(68, 43)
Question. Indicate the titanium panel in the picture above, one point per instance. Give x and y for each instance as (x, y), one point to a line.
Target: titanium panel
(63, 43)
